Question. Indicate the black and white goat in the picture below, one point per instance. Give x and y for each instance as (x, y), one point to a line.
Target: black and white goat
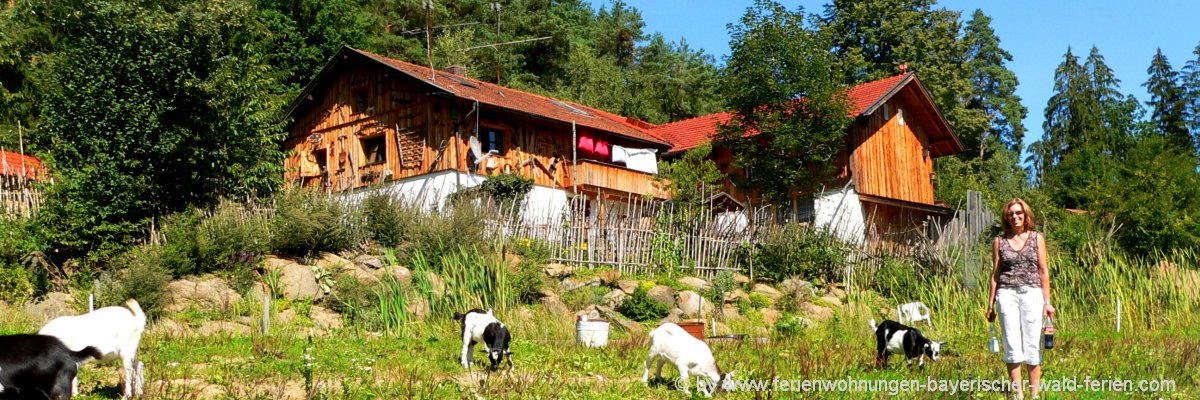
(670, 343)
(480, 326)
(894, 337)
(115, 331)
(39, 367)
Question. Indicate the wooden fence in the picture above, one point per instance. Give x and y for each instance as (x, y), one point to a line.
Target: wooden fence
(642, 236)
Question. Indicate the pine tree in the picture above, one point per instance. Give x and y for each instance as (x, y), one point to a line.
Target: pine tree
(1167, 102)
(1062, 114)
(1191, 94)
(995, 85)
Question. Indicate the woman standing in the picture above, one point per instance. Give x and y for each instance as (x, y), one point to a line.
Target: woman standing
(1020, 289)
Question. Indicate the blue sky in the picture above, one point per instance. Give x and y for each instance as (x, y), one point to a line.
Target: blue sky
(1037, 34)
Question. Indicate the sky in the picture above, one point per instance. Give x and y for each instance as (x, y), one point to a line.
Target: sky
(1036, 33)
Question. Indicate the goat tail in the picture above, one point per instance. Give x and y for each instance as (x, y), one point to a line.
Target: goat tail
(873, 325)
(87, 353)
(137, 310)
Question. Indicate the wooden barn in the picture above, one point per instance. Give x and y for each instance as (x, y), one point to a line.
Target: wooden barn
(884, 193)
(369, 123)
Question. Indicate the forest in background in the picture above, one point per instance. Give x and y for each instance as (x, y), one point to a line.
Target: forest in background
(145, 109)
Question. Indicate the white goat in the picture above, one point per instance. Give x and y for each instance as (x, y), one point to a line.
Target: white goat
(115, 331)
(669, 342)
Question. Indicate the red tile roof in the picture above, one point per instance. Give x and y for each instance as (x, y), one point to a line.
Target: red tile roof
(520, 101)
(689, 133)
(17, 164)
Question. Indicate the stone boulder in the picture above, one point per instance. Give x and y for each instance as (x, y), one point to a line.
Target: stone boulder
(570, 284)
(298, 281)
(324, 318)
(609, 277)
(815, 312)
(226, 328)
(768, 291)
(206, 293)
(694, 305)
(798, 288)
(557, 270)
(662, 295)
(54, 305)
(368, 262)
(736, 295)
(627, 285)
(694, 282)
(770, 316)
(614, 298)
(331, 262)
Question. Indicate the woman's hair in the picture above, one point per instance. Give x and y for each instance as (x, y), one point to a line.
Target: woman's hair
(1030, 222)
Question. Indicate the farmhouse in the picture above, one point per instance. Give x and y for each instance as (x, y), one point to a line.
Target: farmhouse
(368, 123)
(884, 190)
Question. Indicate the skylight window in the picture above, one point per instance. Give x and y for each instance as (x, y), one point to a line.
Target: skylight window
(569, 107)
(460, 80)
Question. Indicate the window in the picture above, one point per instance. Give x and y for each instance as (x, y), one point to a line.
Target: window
(374, 149)
(360, 100)
(492, 139)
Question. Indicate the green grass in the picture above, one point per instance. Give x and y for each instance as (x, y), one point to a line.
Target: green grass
(424, 363)
(1160, 339)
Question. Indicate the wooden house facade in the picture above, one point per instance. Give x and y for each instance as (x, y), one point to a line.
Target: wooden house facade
(369, 123)
(885, 188)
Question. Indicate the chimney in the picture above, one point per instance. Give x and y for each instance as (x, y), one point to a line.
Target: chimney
(457, 70)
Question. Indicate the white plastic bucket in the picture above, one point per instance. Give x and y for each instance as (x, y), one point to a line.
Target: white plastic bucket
(591, 333)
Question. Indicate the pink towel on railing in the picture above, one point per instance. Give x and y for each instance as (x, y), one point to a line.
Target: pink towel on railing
(593, 146)
(586, 143)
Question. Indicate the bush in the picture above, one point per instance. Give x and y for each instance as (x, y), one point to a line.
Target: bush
(722, 284)
(385, 218)
(508, 190)
(640, 307)
(814, 255)
(526, 282)
(307, 222)
(144, 279)
(16, 284)
(443, 233)
(231, 238)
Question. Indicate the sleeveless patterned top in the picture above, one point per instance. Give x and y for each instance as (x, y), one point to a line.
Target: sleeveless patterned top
(1019, 268)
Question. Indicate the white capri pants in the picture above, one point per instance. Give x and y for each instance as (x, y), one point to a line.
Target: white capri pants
(1020, 309)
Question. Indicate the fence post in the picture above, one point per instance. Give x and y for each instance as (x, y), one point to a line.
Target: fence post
(266, 314)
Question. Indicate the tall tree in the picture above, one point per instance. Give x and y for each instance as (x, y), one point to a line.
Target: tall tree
(1191, 88)
(995, 85)
(790, 111)
(1167, 102)
(149, 111)
(873, 38)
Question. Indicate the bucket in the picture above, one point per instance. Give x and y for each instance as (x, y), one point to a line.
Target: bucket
(591, 333)
(696, 329)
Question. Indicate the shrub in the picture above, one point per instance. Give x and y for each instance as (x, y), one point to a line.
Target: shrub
(508, 190)
(759, 300)
(231, 238)
(526, 281)
(144, 278)
(722, 284)
(814, 255)
(16, 284)
(385, 218)
(640, 307)
(308, 222)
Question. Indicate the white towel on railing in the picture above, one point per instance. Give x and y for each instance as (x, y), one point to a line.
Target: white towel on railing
(644, 160)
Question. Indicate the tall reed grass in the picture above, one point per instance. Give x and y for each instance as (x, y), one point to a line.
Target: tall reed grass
(1154, 293)
(469, 279)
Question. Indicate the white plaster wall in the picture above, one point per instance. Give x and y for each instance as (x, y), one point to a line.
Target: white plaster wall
(542, 204)
(841, 212)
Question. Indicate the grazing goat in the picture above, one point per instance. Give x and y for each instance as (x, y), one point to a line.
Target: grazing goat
(115, 331)
(894, 337)
(479, 326)
(39, 367)
(669, 342)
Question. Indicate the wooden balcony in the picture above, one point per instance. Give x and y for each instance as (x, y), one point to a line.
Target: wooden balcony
(592, 175)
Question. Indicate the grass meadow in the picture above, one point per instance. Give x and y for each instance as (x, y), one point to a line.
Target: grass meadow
(1159, 341)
